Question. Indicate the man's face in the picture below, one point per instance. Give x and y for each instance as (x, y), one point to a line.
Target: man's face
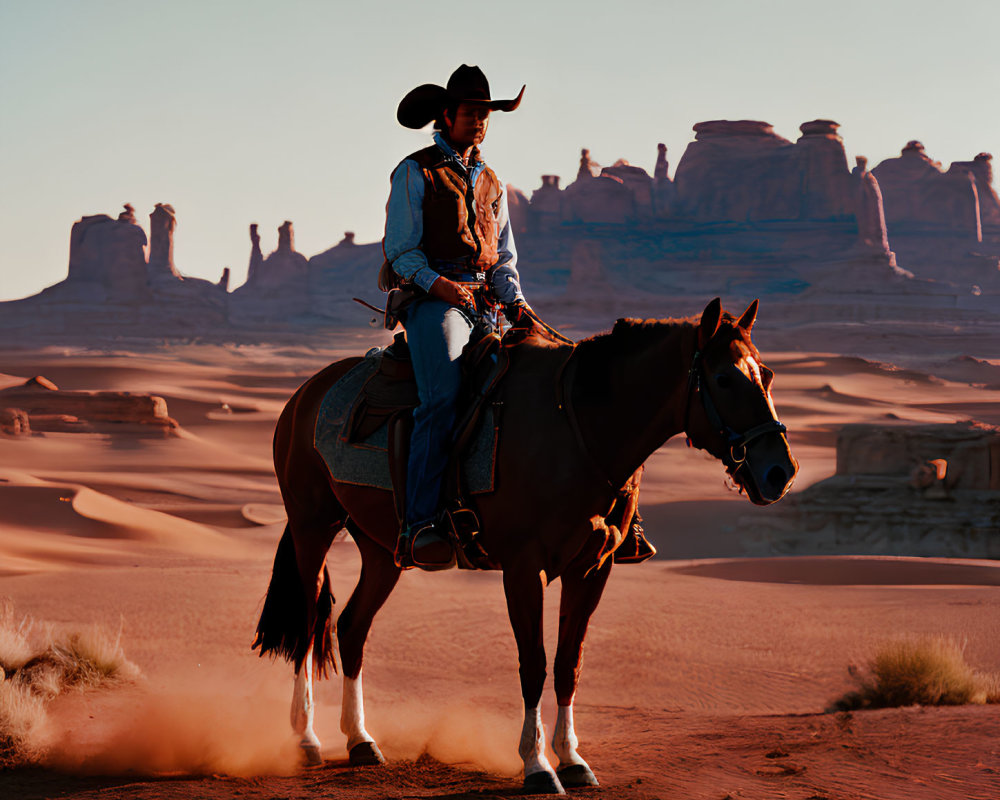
(469, 126)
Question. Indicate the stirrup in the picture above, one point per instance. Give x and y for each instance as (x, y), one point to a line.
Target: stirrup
(426, 548)
(635, 548)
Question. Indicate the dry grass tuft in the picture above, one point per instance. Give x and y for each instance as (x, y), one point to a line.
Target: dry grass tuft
(926, 671)
(15, 649)
(37, 663)
(22, 714)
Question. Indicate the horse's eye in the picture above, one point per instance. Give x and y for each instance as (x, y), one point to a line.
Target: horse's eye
(723, 381)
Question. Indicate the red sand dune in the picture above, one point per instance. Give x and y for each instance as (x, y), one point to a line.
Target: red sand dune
(704, 678)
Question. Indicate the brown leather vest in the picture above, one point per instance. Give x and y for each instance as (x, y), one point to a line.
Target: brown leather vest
(460, 223)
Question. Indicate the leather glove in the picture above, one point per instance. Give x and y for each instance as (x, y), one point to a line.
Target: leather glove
(519, 315)
(522, 318)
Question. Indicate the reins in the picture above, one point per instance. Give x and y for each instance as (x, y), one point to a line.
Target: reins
(735, 441)
(697, 384)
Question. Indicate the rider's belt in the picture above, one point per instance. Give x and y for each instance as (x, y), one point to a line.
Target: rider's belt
(459, 270)
(477, 278)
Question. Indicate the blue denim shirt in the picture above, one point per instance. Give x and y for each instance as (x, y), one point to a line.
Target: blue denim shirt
(404, 229)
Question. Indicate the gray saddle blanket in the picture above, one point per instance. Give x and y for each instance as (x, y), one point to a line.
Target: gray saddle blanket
(366, 463)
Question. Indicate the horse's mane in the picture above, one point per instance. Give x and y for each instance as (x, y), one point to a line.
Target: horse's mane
(628, 335)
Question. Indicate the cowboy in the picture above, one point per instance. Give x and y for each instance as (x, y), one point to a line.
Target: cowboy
(448, 234)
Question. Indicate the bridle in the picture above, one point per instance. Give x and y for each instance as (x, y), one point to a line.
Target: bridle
(737, 443)
(696, 378)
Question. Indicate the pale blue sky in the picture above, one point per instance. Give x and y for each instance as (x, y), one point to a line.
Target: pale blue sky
(237, 111)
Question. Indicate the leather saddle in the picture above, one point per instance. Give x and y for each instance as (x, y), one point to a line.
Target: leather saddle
(388, 398)
(392, 388)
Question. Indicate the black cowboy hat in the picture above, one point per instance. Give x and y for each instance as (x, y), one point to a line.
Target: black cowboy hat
(466, 85)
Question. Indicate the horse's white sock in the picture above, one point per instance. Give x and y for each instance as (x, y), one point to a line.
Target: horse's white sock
(564, 741)
(352, 713)
(303, 708)
(532, 745)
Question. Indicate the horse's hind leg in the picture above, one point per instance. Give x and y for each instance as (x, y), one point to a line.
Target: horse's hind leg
(378, 578)
(303, 711)
(581, 592)
(312, 538)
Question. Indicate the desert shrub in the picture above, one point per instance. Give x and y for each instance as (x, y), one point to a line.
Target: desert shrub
(39, 662)
(15, 649)
(22, 714)
(90, 657)
(927, 671)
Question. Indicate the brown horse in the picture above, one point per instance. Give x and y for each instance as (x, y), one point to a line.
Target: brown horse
(578, 420)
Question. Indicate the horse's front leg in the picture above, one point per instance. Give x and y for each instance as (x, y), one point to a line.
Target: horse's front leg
(581, 592)
(524, 589)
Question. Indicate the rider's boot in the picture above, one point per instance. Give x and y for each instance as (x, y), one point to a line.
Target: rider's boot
(425, 547)
(635, 547)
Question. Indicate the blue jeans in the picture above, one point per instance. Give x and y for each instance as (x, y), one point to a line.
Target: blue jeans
(436, 333)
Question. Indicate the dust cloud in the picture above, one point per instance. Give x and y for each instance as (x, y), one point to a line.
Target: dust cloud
(215, 728)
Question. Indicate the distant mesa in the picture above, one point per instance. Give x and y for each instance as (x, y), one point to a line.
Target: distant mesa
(746, 212)
(112, 286)
(920, 195)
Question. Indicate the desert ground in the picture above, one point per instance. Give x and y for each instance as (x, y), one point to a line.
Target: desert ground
(707, 674)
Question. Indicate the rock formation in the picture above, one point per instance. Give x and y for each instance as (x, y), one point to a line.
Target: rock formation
(917, 194)
(283, 270)
(48, 408)
(518, 207)
(546, 204)
(162, 222)
(743, 171)
(747, 210)
(604, 200)
(14, 422)
(944, 225)
(664, 195)
(108, 255)
(928, 490)
(870, 214)
(588, 168)
(256, 257)
(661, 168)
(639, 184)
(981, 168)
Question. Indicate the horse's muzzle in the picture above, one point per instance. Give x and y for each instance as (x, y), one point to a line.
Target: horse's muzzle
(769, 471)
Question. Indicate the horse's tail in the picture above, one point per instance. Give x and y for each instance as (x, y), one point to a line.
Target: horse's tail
(283, 628)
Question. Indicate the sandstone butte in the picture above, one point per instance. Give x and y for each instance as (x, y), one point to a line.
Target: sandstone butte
(745, 209)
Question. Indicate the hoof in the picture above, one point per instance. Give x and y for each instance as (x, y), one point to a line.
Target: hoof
(576, 775)
(311, 754)
(542, 783)
(365, 754)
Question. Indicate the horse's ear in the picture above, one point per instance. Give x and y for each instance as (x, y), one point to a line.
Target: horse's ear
(749, 317)
(710, 319)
